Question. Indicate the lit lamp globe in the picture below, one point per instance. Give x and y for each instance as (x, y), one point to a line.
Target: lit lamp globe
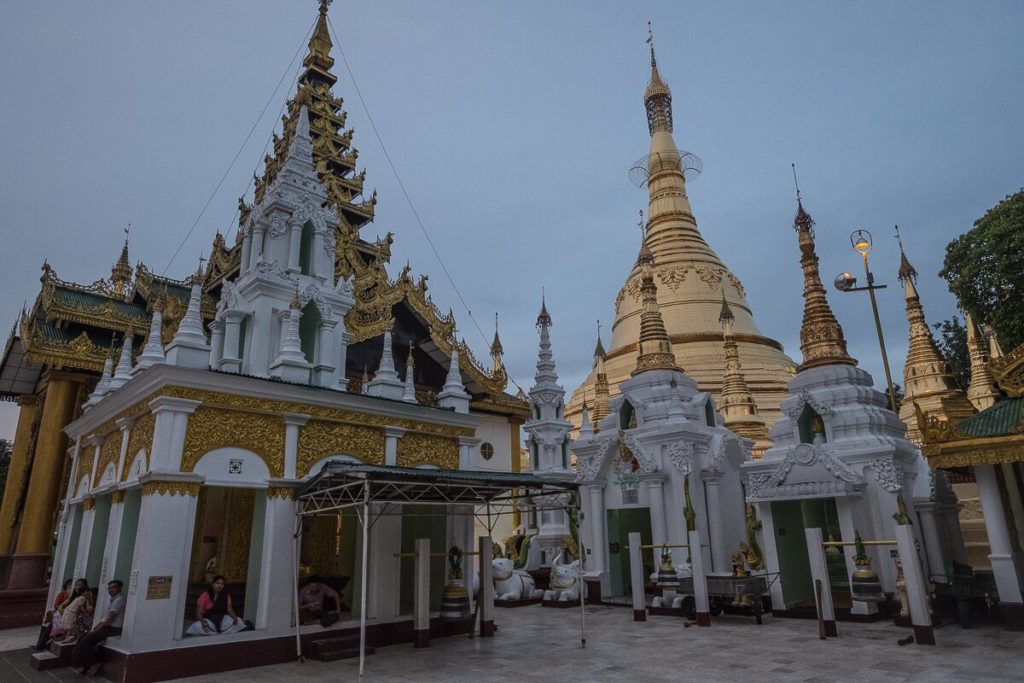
(861, 241)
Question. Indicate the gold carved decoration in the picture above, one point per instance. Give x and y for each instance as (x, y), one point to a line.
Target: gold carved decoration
(210, 428)
(237, 534)
(85, 457)
(89, 503)
(284, 492)
(424, 449)
(319, 439)
(139, 438)
(1008, 372)
(171, 488)
(110, 451)
(117, 497)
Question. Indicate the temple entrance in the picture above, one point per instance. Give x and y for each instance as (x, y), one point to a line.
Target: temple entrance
(228, 542)
(423, 521)
(329, 551)
(791, 518)
(621, 523)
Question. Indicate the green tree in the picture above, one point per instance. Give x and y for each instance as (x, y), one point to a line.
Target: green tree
(5, 463)
(985, 269)
(952, 343)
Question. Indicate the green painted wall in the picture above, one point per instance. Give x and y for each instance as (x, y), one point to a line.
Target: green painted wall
(423, 521)
(620, 524)
(94, 563)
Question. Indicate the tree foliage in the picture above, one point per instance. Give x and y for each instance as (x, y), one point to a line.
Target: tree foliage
(952, 343)
(985, 270)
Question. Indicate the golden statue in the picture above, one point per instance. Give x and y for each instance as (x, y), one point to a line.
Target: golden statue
(753, 550)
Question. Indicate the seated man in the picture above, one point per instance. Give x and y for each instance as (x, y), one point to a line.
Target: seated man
(84, 654)
(318, 601)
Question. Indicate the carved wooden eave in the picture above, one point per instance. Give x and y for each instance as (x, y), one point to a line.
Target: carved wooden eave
(1008, 372)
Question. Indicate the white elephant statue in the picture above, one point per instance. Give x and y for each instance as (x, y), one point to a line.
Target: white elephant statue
(511, 583)
(670, 598)
(565, 580)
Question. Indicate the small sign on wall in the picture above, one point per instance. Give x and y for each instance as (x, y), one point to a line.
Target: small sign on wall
(158, 588)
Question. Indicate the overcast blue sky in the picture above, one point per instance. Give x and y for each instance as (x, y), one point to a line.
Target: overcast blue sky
(513, 127)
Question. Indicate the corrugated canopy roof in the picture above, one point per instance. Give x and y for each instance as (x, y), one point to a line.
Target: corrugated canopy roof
(1005, 417)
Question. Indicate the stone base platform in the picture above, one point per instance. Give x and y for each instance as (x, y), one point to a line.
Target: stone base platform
(522, 602)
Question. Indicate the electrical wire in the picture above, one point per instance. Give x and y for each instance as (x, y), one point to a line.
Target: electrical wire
(405, 193)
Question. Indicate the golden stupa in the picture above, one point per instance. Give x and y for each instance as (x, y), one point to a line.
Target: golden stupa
(692, 282)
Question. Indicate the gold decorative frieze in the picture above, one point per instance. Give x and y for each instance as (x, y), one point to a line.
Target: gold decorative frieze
(283, 492)
(140, 438)
(88, 503)
(213, 427)
(319, 439)
(425, 449)
(117, 497)
(1008, 372)
(171, 488)
(85, 458)
(110, 452)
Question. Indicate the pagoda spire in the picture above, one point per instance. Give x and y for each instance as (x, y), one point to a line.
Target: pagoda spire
(497, 350)
(655, 346)
(121, 273)
(925, 371)
(409, 392)
(981, 392)
(453, 394)
(658, 96)
(153, 351)
(602, 395)
(318, 61)
(546, 376)
(737, 401)
(821, 336)
(386, 382)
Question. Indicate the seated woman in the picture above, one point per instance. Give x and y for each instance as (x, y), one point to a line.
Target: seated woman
(77, 618)
(214, 613)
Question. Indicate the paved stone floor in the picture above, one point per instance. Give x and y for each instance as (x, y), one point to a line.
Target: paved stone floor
(535, 644)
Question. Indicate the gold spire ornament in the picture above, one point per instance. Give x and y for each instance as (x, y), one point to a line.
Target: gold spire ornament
(121, 273)
(655, 347)
(318, 60)
(736, 398)
(821, 336)
(658, 96)
(981, 391)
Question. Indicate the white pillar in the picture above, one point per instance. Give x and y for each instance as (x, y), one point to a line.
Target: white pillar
(421, 594)
(819, 573)
(246, 248)
(771, 552)
(719, 551)
(277, 565)
(636, 577)
(292, 423)
(849, 522)
(486, 587)
(917, 585)
(85, 536)
(1013, 495)
(391, 437)
(216, 343)
(323, 368)
(926, 512)
(599, 544)
(169, 432)
(1004, 562)
(167, 517)
(230, 360)
(700, 581)
(586, 530)
(294, 244)
(657, 503)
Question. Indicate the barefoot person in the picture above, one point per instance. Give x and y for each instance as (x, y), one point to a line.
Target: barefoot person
(318, 601)
(214, 612)
(87, 646)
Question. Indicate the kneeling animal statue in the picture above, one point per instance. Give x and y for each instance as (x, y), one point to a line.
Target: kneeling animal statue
(511, 583)
(565, 580)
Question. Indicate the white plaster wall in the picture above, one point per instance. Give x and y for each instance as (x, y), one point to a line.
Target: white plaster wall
(218, 466)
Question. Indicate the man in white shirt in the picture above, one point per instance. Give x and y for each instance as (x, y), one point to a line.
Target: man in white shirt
(84, 654)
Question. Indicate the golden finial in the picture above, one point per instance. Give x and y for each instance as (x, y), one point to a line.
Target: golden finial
(121, 273)
(318, 60)
(296, 303)
(658, 96)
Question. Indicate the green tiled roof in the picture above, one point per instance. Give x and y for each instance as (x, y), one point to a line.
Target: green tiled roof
(70, 298)
(1002, 418)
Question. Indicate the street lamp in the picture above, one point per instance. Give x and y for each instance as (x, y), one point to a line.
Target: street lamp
(860, 240)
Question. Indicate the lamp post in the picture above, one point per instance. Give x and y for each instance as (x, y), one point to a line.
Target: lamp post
(860, 240)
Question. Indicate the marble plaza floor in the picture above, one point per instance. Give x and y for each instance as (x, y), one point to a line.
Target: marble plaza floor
(538, 644)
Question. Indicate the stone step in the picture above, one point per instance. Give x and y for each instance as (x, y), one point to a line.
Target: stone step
(42, 661)
(335, 653)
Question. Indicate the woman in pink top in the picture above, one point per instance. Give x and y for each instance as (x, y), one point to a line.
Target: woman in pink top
(214, 613)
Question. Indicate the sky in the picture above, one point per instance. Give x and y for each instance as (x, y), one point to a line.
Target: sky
(512, 126)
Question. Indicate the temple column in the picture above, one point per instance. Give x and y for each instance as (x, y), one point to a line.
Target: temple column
(85, 536)
(60, 555)
(586, 529)
(657, 506)
(294, 245)
(274, 608)
(35, 535)
(169, 432)
(926, 512)
(597, 526)
(323, 369)
(246, 248)
(256, 250)
(1013, 497)
(467, 446)
(719, 552)
(391, 437)
(229, 357)
(15, 474)
(216, 343)
(1005, 563)
(292, 423)
(112, 546)
(167, 518)
(771, 552)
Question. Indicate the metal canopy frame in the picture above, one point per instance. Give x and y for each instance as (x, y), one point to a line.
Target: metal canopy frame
(343, 485)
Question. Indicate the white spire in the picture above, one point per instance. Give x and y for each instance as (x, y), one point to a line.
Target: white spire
(188, 348)
(386, 383)
(586, 429)
(153, 352)
(409, 395)
(453, 394)
(545, 375)
(123, 373)
(291, 364)
(103, 386)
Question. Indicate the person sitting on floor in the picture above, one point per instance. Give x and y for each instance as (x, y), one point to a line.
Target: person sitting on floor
(214, 612)
(86, 649)
(58, 628)
(318, 601)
